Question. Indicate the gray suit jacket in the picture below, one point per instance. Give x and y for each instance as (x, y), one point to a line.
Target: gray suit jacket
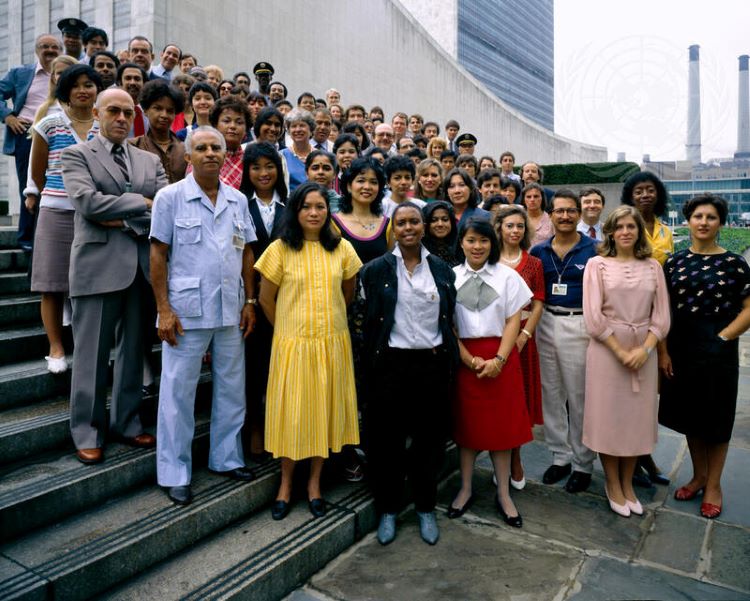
(105, 259)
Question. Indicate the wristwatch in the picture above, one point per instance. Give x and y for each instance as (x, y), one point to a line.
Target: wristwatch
(251, 301)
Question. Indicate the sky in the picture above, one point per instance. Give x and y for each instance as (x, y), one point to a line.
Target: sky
(621, 73)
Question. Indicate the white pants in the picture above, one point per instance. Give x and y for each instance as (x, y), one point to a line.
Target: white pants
(181, 367)
(562, 342)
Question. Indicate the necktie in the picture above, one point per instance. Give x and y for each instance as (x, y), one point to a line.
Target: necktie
(139, 127)
(592, 232)
(118, 155)
(319, 146)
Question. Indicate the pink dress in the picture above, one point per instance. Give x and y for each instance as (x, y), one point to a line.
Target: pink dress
(628, 299)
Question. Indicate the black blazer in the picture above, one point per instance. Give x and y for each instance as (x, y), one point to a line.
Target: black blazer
(380, 286)
(261, 244)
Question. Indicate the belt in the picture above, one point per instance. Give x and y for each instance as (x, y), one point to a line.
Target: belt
(562, 311)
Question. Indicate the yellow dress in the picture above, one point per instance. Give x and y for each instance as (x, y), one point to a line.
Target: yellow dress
(311, 400)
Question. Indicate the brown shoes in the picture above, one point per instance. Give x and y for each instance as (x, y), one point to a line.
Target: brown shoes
(142, 441)
(90, 456)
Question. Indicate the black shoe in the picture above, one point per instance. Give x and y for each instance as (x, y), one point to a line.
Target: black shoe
(149, 390)
(654, 475)
(317, 507)
(555, 473)
(180, 495)
(641, 479)
(280, 509)
(578, 482)
(239, 473)
(515, 521)
(454, 513)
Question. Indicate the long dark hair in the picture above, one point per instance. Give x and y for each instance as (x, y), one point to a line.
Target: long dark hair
(293, 236)
(254, 152)
(360, 165)
(464, 175)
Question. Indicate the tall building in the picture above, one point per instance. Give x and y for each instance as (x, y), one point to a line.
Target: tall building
(508, 45)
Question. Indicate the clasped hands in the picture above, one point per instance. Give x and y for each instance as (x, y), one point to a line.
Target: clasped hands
(486, 368)
(633, 359)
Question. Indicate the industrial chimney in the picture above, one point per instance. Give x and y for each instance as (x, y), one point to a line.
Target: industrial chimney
(743, 113)
(694, 108)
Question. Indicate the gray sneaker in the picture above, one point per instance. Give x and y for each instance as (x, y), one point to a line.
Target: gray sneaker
(387, 528)
(428, 527)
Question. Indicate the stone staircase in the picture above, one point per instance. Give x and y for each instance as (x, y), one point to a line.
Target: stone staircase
(70, 531)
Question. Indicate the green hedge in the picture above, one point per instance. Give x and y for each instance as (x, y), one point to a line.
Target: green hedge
(735, 239)
(576, 174)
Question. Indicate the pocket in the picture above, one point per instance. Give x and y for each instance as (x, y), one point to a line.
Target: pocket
(185, 296)
(188, 231)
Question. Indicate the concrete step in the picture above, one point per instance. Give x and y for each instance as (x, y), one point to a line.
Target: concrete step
(27, 343)
(13, 258)
(91, 552)
(258, 558)
(6, 219)
(57, 485)
(19, 309)
(43, 426)
(28, 382)
(14, 282)
(8, 236)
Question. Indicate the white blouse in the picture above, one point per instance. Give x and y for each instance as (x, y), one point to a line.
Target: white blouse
(512, 295)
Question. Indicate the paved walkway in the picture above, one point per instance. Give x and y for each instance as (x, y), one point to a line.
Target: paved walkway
(571, 546)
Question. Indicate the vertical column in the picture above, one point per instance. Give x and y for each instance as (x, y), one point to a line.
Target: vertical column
(104, 17)
(694, 108)
(41, 18)
(142, 18)
(743, 111)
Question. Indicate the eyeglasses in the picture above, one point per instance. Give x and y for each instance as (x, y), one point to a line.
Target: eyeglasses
(48, 47)
(114, 111)
(561, 212)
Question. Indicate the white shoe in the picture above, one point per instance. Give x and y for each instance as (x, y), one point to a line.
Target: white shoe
(56, 365)
(634, 506)
(623, 510)
(518, 484)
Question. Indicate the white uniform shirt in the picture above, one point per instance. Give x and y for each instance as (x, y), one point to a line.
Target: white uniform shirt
(416, 318)
(512, 295)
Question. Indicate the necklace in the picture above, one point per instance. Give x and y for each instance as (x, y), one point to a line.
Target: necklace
(72, 118)
(369, 227)
(512, 261)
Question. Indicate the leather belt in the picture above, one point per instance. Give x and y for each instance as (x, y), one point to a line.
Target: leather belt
(561, 311)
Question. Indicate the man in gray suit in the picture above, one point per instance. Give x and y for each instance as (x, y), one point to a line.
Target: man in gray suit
(111, 185)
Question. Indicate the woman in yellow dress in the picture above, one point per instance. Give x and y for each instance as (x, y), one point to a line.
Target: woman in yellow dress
(311, 403)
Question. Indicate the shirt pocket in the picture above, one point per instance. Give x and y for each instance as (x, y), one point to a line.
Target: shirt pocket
(185, 296)
(188, 231)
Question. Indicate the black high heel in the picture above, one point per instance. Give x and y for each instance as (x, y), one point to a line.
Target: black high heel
(515, 521)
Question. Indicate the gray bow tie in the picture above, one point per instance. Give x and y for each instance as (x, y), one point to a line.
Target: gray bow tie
(475, 294)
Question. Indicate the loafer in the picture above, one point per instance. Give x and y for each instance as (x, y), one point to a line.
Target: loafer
(387, 528)
(428, 528)
(280, 509)
(180, 495)
(555, 473)
(90, 456)
(317, 507)
(516, 521)
(578, 482)
(641, 479)
(142, 441)
(245, 474)
(454, 512)
(518, 484)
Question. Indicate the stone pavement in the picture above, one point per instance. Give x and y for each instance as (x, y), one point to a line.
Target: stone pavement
(571, 547)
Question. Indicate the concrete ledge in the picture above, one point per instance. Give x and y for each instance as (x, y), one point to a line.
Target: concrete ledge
(14, 282)
(13, 258)
(19, 309)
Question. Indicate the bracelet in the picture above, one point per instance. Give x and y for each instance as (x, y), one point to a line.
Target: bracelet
(648, 350)
(525, 331)
(251, 301)
(472, 362)
(501, 359)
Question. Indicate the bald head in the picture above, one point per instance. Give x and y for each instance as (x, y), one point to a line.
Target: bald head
(115, 112)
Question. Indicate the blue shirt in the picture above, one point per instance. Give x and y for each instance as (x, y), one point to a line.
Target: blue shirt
(568, 271)
(206, 243)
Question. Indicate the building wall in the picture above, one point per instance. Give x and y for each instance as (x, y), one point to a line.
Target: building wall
(374, 51)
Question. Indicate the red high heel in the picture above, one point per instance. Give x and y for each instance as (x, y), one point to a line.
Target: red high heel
(710, 511)
(686, 494)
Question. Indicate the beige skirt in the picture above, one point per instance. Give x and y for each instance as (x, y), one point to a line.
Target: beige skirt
(52, 241)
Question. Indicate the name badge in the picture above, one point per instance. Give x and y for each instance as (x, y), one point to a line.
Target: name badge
(238, 242)
(128, 187)
(559, 289)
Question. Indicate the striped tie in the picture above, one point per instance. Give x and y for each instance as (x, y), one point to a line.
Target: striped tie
(118, 154)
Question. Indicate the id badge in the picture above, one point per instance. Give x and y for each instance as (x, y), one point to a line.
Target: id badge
(559, 289)
(238, 242)
(128, 187)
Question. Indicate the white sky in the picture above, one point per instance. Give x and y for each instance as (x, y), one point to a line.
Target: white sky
(621, 72)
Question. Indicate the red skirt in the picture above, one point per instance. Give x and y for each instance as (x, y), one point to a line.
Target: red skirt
(490, 414)
(532, 381)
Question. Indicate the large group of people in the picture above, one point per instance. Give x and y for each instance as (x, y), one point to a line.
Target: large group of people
(360, 288)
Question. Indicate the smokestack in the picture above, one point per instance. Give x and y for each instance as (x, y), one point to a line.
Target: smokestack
(743, 113)
(620, 157)
(693, 147)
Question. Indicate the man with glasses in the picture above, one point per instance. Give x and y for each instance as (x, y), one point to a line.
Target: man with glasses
(562, 342)
(383, 138)
(27, 87)
(111, 185)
